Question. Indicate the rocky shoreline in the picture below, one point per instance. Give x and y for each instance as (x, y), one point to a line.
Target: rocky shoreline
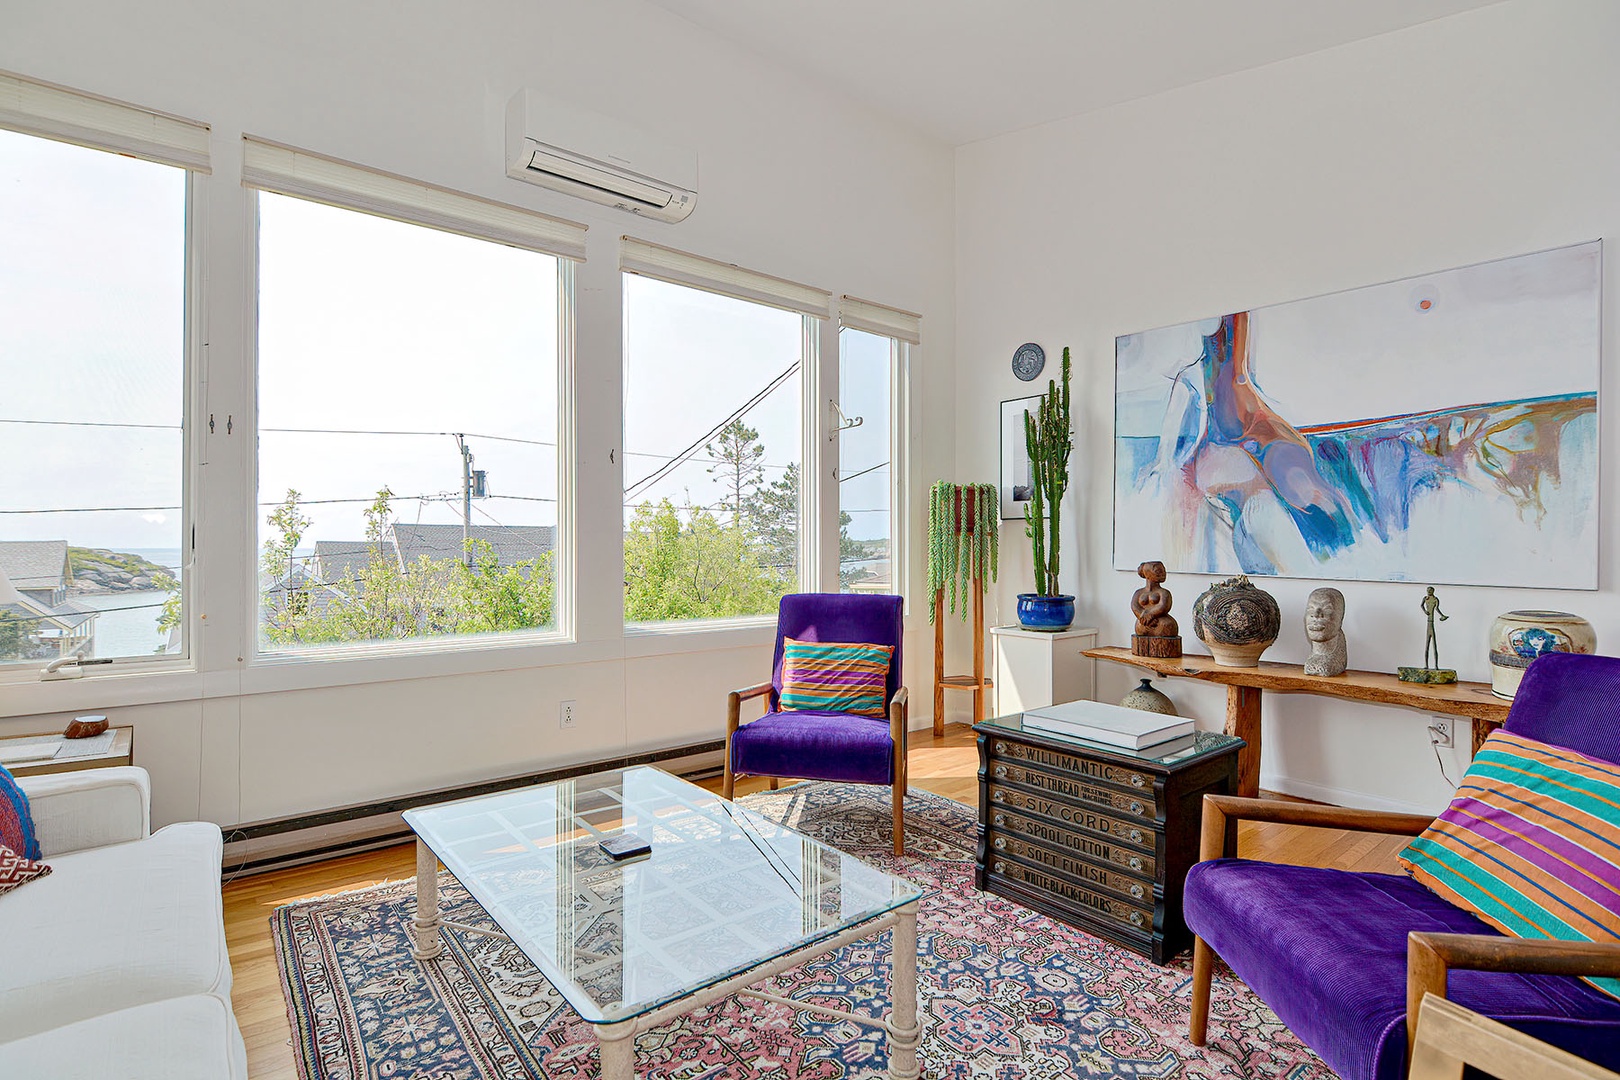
(99, 571)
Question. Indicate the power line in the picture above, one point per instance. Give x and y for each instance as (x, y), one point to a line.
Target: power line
(863, 472)
(90, 423)
(712, 432)
(368, 431)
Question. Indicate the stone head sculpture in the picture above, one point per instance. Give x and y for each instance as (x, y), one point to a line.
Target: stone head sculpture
(1324, 628)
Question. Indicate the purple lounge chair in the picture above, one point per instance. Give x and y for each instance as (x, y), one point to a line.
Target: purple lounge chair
(1339, 956)
(826, 745)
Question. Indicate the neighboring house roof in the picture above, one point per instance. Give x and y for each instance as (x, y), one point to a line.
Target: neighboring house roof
(512, 544)
(34, 564)
(40, 616)
(336, 560)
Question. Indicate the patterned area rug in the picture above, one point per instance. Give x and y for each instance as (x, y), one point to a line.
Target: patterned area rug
(1005, 993)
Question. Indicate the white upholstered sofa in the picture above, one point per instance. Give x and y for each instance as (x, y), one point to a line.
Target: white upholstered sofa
(114, 964)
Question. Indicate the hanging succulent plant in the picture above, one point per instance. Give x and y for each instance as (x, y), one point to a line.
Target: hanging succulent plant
(961, 549)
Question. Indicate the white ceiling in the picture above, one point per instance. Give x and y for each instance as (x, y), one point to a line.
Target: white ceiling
(964, 70)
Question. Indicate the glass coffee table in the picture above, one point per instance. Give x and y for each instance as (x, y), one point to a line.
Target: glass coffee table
(725, 899)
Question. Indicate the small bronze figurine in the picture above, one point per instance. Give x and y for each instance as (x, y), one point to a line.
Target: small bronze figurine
(1431, 671)
(1156, 631)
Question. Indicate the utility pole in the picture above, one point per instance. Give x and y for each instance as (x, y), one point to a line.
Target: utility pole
(474, 484)
(466, 498)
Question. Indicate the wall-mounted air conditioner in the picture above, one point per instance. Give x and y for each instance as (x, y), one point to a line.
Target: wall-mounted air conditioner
(563, 147)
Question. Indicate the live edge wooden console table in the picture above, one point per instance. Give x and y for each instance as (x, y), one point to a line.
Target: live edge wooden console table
(1243, 686)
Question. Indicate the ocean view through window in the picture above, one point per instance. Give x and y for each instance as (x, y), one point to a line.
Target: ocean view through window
(92, 423)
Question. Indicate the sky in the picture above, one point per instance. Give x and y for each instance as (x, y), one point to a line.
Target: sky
(395, 332)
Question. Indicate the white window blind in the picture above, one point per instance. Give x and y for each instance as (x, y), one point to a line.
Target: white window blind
(877, 319)
(680, 268)
(55, 112)
(273, 167)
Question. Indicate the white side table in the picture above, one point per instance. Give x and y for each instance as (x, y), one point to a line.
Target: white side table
(1035, 668)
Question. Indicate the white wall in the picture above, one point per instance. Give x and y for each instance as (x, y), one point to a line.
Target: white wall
(795, 182)
(1475, 137)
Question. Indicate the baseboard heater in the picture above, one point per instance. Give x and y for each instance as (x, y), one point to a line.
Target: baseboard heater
(260, 846)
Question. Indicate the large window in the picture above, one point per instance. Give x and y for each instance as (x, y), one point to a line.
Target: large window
(408, 392)
(94, 542)
(713, 430)
(868, 368)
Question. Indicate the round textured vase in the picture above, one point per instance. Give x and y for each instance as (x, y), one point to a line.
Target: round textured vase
(1237, 620)
(1149, 699)
(1518, 637)
(1049, 613)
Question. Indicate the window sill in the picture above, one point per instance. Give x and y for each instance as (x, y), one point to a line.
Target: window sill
(698, 635)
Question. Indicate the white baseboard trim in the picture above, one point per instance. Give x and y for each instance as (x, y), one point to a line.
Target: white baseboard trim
(1360, 800)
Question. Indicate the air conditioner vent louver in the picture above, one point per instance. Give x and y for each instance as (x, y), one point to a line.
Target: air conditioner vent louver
(589, 156)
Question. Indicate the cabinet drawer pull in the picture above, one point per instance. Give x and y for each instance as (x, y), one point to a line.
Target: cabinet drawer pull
(1000, 866)
(1136, 891)
(1136, 862)
(1000, 748)
(996, 796)
(1001, 819)
(1001, 772)
(999, 843)
(1136, 918)
(1136, 780)
(1136, 836)
(1136, 808)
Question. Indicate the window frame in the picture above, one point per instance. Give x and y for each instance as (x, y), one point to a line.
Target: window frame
(900, 355)
(696, 272)
(362, 190)
(56, 114)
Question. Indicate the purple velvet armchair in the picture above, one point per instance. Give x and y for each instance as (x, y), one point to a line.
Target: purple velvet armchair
(826, 745)
(1344, 958)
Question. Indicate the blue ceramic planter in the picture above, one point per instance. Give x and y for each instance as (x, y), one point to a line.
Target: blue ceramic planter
(1049, 613)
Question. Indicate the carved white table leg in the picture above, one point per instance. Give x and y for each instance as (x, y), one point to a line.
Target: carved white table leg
(905, 1030)
(618, 1042)
(425, 927)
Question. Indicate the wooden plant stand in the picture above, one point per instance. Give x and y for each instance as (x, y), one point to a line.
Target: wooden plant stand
(977, 682)
(1244, 685)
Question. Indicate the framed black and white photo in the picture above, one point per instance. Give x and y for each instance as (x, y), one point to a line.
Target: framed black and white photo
(1015, 475)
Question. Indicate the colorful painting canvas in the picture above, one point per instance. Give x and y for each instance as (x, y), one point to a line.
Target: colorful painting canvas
(1440, 429)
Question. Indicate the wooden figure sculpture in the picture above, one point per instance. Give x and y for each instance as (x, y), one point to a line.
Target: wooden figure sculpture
(1156, 631)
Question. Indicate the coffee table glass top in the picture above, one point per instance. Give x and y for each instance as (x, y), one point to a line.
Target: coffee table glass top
(724, 889)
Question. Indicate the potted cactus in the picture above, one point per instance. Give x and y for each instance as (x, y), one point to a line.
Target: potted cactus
(1049, 437)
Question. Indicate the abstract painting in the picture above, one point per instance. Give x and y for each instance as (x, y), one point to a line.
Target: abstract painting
(1439, 429)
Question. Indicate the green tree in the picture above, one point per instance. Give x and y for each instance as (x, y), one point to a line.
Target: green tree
(774, 521)
(696, 569)
(490, 598)
(16, 639)
(278, 566)
(738, 462)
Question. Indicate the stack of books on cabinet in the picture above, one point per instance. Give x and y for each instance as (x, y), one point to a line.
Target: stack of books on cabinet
(1110, 725)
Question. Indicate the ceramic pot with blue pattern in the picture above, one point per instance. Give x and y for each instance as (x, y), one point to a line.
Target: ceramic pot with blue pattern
(1049, 613)
(1519, 637)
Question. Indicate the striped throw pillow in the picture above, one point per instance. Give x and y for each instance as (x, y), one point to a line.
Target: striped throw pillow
(835, 676)
(1530, 844)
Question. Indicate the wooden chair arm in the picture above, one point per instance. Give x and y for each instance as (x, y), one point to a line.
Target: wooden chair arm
(899, 716)
(1223, 812)
(1430, 958)
(1451, 1037)
(734, 702)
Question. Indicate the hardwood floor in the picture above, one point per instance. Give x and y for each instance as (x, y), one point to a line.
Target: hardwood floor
(947, 765)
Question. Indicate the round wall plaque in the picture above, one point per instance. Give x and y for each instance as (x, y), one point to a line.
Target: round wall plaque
(1028, 360)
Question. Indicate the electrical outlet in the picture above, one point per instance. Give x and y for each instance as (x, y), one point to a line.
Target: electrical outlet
(1440, 731)
(565, 714)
